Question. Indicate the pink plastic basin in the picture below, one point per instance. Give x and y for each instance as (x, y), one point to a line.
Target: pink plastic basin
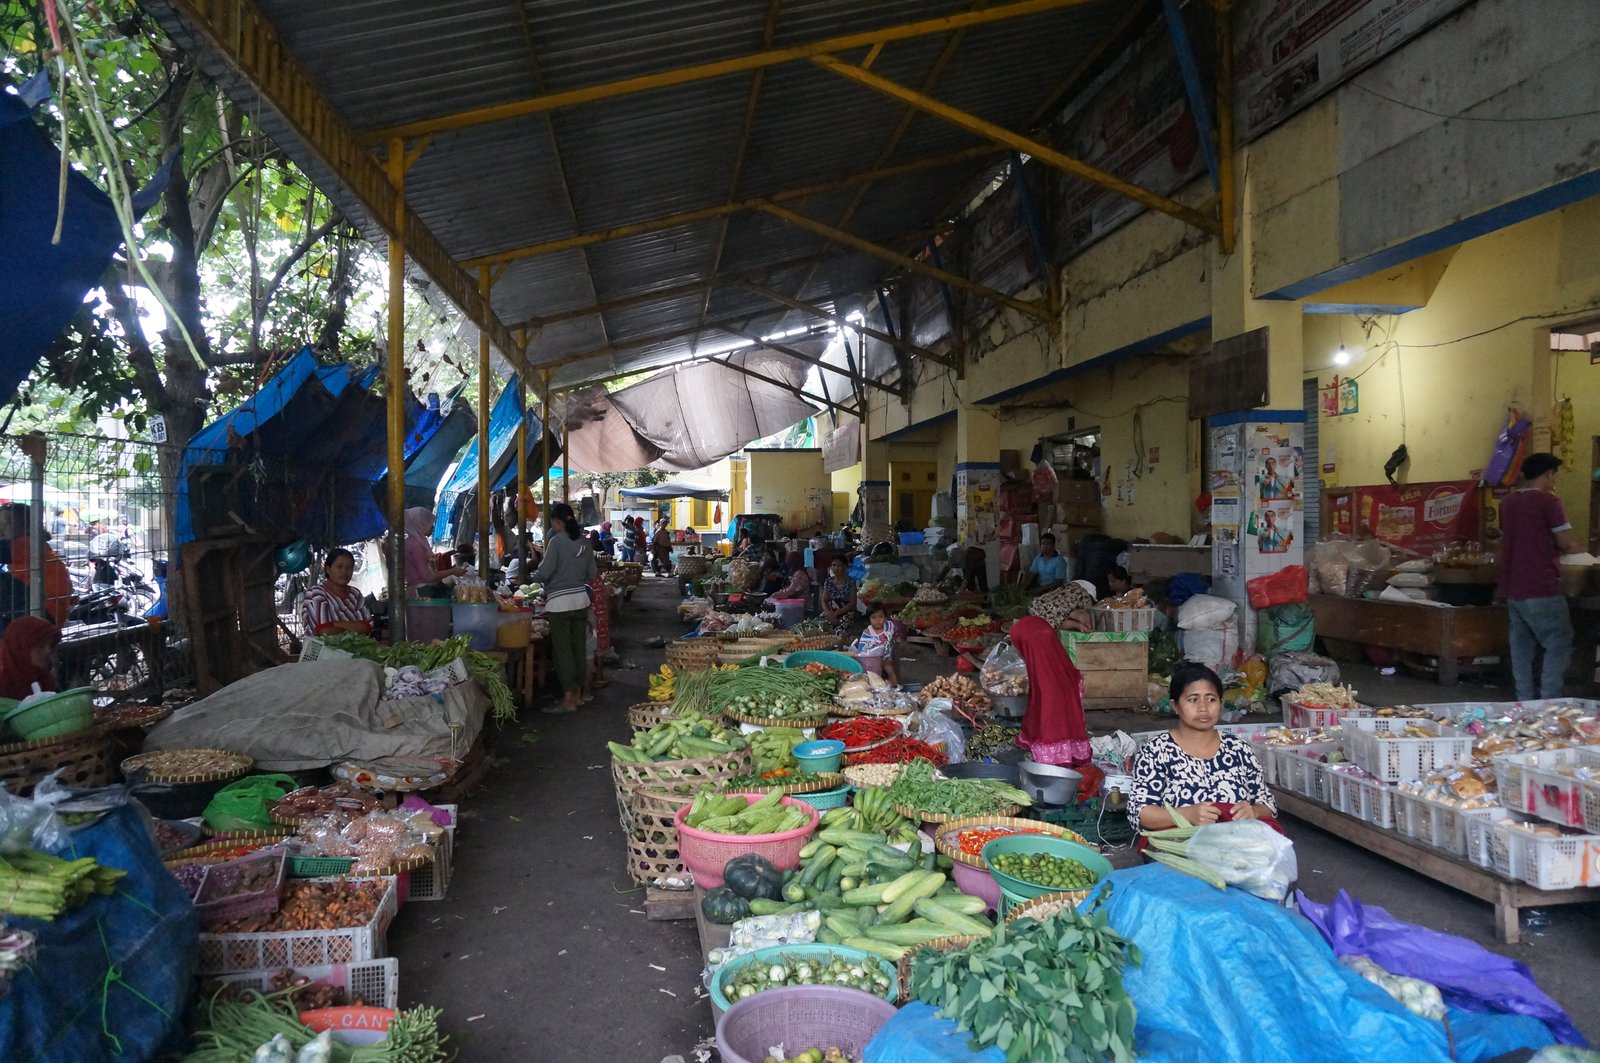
(705, 854)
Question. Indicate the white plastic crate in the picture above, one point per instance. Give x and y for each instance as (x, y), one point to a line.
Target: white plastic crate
(1589, 804)
(1109, 619)
(1553, 796)
(1369, 800)
(1547, 862)
(1300, 770)
(375, 981)
(1403, 759)
(1433, 822)
(229, 953)
(1479, 832)
(1297, 715)
(1511, 772)
(429, 882)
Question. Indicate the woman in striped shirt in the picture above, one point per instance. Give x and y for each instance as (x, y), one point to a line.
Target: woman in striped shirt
(333, 605)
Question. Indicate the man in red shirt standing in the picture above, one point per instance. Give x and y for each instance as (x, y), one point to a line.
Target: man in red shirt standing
(1534, 533)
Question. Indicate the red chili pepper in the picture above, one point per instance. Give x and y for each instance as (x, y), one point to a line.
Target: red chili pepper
(861, 731)
(898, 751)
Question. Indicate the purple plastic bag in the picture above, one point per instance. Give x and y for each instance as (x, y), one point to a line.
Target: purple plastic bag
(1468, 975)
(1502, 469)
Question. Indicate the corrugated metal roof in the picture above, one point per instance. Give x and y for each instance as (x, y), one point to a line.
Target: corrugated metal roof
(495, 187)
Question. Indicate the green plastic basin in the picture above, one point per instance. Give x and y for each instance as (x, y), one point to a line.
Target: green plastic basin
(1040, 843)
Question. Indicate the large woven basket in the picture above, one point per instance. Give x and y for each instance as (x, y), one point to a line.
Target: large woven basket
(691, 565)
(84, 759)
(692, 655)
(743, 649)
(1046, 905)
(1035, 826)
(953, 943)
(937, 817)
(811, 642)
(742, 573)
(681, 778)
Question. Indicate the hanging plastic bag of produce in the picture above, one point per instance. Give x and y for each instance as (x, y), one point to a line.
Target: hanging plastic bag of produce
(937, 729)
(1247, 854)
(31, 822)
(1285, 629)
(1004, 672)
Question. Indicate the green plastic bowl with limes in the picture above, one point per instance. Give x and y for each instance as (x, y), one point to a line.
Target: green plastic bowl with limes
(54, 715)
(1043, 844)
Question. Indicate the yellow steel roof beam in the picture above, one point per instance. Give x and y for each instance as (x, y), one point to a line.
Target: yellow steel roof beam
(736, 65)
(699, 214)
(906, 262)
(817, 311)
(248, 43)
(1017, 142)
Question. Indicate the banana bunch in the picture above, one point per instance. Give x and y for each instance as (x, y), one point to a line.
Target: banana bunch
(773, 748)
(872, 811)
(661, 683)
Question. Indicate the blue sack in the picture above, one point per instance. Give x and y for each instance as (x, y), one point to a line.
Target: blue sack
(110, 979)
(1228, 976)
(1468, 975)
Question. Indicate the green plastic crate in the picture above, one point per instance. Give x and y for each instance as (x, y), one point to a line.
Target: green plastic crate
(319, 866)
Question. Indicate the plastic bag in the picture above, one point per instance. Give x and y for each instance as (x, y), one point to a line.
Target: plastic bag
(246, 803)
(1285, 629)
(936, 728)
(1247, 854)
(1291, 671)
(1469, 975)
(31, 822)
(1004, 672)
(1283, 587)
(1203, 611)
(762, 932)
(1212, 647)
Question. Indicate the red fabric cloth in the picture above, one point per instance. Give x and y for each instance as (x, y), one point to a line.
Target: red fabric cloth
(1054, 730)
(1529, 565)
(17, 670)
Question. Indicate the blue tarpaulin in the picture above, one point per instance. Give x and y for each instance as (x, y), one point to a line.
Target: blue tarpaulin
(42, 284)
(304, 456)
(463, 484)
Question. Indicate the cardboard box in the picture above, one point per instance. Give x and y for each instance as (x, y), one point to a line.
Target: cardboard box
(1078, 492)
(1081, 514)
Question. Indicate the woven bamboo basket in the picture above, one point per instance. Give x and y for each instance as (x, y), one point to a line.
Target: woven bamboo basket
(146, 767)
(693, 655)
(210, 851)
(84, 759)
(691, 566)
(648, 862)
(681, 778)
(811, 642)
(741, 650)
(935, 817)
(797, 722)
(813, 783)
(953, 943)
(952, 849)
(1046, 905)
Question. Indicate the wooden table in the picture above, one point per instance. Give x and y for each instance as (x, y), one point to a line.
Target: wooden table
(1508, 897)
(1447, 633)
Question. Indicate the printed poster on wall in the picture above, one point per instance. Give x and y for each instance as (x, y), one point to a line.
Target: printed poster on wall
(998, 251)
(1291, 52)
(976, 491)
(1417, 518)
(1275, 498)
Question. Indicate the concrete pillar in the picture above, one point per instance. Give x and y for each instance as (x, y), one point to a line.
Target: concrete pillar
(977, 475)
(874, 491)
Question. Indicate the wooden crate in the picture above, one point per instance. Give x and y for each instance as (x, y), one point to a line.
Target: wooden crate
(1115, 667)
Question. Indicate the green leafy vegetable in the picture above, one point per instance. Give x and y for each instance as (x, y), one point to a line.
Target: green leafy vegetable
(431, 655)
(915, 787)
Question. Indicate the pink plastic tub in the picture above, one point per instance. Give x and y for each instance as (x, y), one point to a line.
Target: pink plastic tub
(977, 882)
(705, 854)
(800, 1016)
(872, 663)
(790, 611)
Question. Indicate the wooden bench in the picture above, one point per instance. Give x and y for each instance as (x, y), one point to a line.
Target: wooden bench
(1447, 633)
(1509, 897)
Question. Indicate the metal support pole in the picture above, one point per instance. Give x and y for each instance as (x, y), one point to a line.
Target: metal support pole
(395, 394)
(34, 447)
(1225, 147)
(544, 468)
(1199, 106)
(484, 388)
(521, 541)
(566, 473)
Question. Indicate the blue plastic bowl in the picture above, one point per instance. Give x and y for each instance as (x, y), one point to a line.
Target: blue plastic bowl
(822, 754)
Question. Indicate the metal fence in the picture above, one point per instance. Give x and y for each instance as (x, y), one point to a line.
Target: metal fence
(106, 512)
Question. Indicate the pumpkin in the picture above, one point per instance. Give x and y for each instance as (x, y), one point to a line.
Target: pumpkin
(723, 906)
(752, 877)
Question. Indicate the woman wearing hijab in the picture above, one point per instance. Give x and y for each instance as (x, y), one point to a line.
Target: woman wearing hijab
(567, 568)
(420, 569)
(1054, 730)
(28, 656)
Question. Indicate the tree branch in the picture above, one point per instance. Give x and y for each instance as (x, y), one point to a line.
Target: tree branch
(270, 289)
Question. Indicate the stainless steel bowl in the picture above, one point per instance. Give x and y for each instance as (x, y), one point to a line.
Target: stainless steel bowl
(1049, 784)
(1012, 707)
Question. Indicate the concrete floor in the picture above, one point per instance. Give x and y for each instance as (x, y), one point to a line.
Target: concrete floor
(542, 951)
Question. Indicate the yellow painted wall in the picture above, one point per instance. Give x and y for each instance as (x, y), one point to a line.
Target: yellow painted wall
(791, 483)
(1573, 377)
(1465, 357)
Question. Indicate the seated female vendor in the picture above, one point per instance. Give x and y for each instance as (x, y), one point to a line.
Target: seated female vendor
(333, 605)
(1208, 776)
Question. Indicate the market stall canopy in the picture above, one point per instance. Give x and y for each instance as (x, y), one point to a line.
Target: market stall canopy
(701, 413)
(43, 280)
(671, 489)
(608, 443)
(462, 487)
(303, 456)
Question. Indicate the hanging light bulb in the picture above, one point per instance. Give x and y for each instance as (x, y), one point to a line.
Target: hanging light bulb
(1341, 356)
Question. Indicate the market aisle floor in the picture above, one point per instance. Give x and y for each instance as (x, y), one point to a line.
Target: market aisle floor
(541, 951)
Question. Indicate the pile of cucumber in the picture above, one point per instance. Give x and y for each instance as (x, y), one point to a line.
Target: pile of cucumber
(735, 814)
(874, 897)
(687, 735)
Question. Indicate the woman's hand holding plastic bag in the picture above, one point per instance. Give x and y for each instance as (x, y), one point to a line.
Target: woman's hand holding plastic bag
(1248, 854)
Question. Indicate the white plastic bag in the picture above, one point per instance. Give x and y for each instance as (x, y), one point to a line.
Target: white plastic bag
(1205, 611)
(1004, 672)
(937, 728)
(1247, 854)
(1213, 647)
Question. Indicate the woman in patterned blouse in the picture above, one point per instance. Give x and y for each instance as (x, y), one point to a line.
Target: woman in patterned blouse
(333, 605)
(1209, 777)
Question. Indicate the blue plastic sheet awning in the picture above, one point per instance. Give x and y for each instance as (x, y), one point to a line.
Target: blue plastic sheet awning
(42, 283)
(462, 486)
(676, 489)
(306, 455)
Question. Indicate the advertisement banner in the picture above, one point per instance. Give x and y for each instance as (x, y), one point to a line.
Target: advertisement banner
(997, 246)
(1416, 518)
(1291, 52)
(930, 318)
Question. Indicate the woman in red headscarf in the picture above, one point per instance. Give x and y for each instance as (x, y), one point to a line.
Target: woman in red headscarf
(1054, 730)
(28, 656)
